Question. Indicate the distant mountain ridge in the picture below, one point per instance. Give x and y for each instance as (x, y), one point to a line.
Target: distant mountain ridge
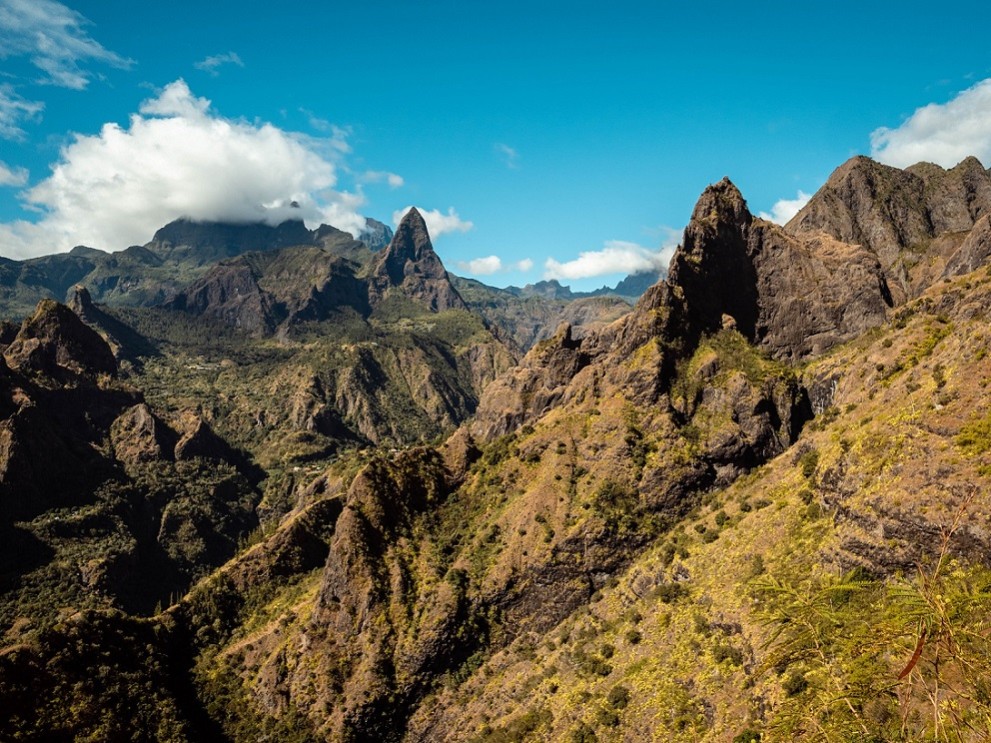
(178, 254)
(630, 287)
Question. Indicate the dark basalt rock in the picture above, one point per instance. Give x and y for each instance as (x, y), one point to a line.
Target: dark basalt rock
(794, 296)
(410, 266)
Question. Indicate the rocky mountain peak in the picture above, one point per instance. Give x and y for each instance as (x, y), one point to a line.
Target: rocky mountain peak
(794, 295)
(899, 214)
(723, 203)
(54, 340)
(410, 253)
(712, 269)
(411, 264)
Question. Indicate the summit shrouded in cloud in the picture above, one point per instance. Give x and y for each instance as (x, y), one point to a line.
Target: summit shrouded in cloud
(178, 158)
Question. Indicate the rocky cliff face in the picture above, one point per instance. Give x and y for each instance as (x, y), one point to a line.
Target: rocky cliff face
(900, 215)
(795, 297)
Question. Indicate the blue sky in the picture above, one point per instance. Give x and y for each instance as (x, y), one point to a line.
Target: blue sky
(532, 133)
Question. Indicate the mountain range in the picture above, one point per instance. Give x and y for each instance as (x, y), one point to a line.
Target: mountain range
(310, 488)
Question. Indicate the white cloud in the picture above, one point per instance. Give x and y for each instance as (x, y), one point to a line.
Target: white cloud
(378, 176)
(54, 38)
(13, 111)
(509, 155)
(482, 266)
(210, 64)
(492, 264)
(616, 257)
(784, 209)
(177, 158)
(942, 133)
(437, 223)
(12, 176)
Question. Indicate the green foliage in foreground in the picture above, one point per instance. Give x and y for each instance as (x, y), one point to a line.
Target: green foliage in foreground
(906, 659)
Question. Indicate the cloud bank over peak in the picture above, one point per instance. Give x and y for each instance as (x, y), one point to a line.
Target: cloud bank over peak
(437, 222)
(178, 158)
(941, 133)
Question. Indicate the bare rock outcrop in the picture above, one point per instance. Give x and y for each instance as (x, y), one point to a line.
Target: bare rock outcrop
(411, 267)
(795, 296)
(55, 342)
(898, 214)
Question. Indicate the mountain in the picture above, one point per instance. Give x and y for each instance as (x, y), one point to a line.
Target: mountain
(629, 288)
(178, 254)
(749, 509)
(912, 219)
(410, 268)
(526, 319)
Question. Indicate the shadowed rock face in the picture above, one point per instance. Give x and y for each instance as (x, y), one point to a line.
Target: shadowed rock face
(410, 266)
(56, 342)
(794, 295)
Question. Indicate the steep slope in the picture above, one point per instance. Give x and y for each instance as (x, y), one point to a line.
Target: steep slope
(790, 605)
(103, 502)
(750, 509)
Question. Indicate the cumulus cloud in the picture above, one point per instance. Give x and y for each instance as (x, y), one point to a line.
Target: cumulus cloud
(492, 264)
(509, 155)
(54, 37)
(784, 209)
(12, 176)
(14, 110)
(941, 133)
(210, 64)
(177, 158)
(437, 223)
(380, 176)
(617, 256)
(486, 266)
